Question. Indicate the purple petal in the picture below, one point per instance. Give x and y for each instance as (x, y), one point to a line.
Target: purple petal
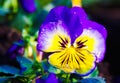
(39, 80)
(52, 78)
(58, 13)
(28, 5)
(77, 14)
(96, 26)
(16, 48)
(99, 33)
(64, 14)
(72, 18)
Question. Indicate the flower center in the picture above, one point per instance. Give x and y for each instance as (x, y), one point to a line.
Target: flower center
(71, 50)
(71, 58)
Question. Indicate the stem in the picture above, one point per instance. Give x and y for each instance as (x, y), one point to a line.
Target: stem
(77, 3)
(34, 53)
(42, 70)
(68, 78)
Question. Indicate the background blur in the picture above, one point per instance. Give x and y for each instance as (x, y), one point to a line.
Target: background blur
(21, 20)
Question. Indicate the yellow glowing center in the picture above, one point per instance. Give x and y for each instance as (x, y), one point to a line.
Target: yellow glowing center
(71, 50)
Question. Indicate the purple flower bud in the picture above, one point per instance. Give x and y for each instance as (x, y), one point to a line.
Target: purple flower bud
(28, 5)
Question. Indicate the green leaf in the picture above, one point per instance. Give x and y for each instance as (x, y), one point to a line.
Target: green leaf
(54, 70)
(3, 80)
(43, 3)
(19, 43)
(90, 2)
(45, 65)
(22, 20)
(9, 69)
(3, 11)
(24, 63)
(93, 74)
(93, 80)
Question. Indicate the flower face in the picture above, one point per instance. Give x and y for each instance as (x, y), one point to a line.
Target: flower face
(76, 42)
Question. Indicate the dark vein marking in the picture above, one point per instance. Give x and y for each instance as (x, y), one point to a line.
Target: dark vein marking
(81, 44)
(76, 59)
(63, 43)
(80, 53)
(82, 59)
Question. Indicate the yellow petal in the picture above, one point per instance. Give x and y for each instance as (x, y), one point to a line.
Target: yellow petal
(72, 59)
(62, 60)
(87, 64)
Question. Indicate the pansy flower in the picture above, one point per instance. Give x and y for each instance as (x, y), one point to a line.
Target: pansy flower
(76, 43)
